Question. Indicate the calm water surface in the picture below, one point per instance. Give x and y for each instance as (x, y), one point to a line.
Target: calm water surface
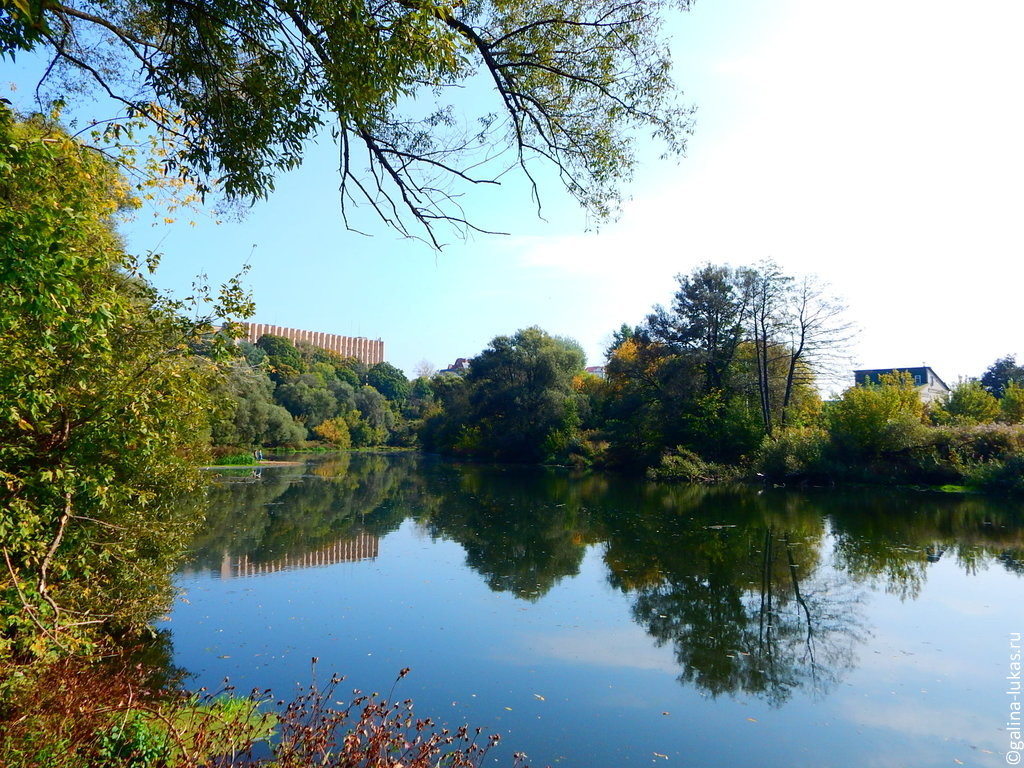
(600, 621)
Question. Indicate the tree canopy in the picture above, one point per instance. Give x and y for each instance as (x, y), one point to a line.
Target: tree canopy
(518, 402)
(1001, 373)
(103, 403)
(237, 87)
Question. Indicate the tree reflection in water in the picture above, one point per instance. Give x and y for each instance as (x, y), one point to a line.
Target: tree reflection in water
(757, 592)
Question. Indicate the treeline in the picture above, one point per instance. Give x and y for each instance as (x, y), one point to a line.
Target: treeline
(731, 362)
(722, 383)
(278, 394)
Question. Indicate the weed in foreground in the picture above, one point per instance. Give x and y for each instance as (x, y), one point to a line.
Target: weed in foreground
(372, 731)
(76, 716)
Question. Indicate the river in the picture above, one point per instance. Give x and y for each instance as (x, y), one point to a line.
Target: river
(596, 621)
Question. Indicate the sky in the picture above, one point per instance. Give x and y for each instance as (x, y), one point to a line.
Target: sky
(876, 146)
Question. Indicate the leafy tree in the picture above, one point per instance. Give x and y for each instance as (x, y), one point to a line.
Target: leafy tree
(871, 420)
(705, 320)
(248, 415)
(335, 432)
(1011, 406)
(999, 375)
(236, 89)
(634, 415)
(445, 412)
(518, 403)
(389, 381)
(283, 358)
(254, 356)
(310, 405)
(103, 406)
(375, 411)
(735, 357)
(619, 337)
(970, 403)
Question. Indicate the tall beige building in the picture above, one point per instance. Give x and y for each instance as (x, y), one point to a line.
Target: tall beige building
(369, 351)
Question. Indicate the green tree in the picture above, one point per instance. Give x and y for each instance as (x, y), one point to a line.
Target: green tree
(248, 415)
(236, 88)
(1011, 406)
(283, 358)
(872, 420)
(376, 413)
(310, 405)
(522, 397)
(970, 403)
(704, 320)
(103, 405)
(389, 381)
(998, 376)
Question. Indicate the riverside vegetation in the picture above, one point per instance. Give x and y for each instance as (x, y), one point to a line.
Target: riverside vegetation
(111, 395)
(108, 391)
(114, 394)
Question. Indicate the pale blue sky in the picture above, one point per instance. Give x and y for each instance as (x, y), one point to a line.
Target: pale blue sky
(875, 145)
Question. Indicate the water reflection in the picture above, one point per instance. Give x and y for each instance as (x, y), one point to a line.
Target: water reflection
(302, 514)
(757, 593)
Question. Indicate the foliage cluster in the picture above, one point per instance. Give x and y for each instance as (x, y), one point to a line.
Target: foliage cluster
(702, 382)
(884, 433)
(277, 393)
(234, 91)
(517, 403)
(721, 383)
(104, 405)
(82, 715)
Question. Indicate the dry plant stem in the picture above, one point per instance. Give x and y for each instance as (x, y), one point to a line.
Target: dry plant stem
(30, 610)
(44, 567)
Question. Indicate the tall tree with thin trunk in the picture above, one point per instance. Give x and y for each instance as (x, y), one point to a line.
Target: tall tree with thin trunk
(765, 293)
(799, 332)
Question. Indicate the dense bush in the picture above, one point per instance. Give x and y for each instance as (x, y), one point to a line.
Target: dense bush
(793, 453)
(982, 455)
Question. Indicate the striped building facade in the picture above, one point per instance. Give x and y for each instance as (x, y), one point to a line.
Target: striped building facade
(363, 546)
(369, 351)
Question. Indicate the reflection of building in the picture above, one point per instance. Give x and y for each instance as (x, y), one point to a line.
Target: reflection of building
(369, 351)
(362, 547)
